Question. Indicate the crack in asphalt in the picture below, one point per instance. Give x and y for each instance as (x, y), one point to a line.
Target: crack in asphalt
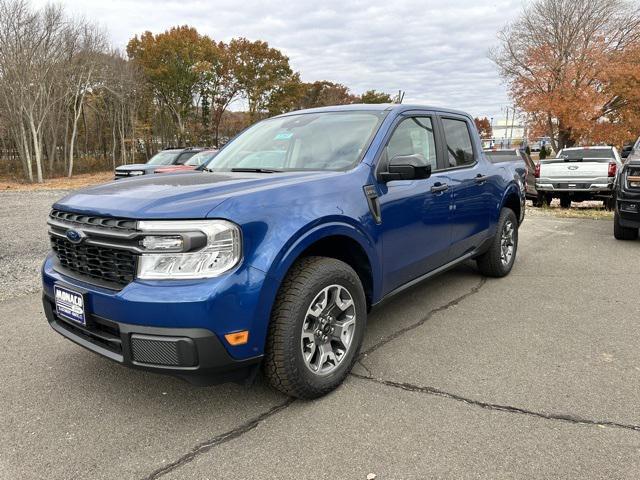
(207, 445)
(389, 338)
(563, 417)
(459, 398)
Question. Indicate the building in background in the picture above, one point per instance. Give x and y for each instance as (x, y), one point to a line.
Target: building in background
(507, 133)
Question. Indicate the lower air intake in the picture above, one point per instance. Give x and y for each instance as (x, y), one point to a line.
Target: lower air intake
(163, 351)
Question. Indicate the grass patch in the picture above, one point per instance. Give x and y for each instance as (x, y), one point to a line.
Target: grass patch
(59, 183)
(590, 210)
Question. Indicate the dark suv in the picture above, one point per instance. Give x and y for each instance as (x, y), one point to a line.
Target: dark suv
(164, 158)
(627, 192)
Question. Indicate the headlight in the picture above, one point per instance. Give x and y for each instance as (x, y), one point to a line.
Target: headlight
(212, 247)
(134, 173)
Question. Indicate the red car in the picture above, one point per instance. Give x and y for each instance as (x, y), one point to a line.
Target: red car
(194, 162)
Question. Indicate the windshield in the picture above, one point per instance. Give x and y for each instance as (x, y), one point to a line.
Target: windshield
(166, 157)
(200, 158)
(586, 153)
(310, 141)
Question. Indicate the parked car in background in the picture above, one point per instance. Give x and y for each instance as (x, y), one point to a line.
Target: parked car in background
(167, 157)
(199, 159)
(626, 220)
(520, 159)
(578, 174)
(276, 260)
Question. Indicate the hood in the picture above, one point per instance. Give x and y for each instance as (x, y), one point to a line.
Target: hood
(189, 195)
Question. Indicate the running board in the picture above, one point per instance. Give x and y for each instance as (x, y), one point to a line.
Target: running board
(427, 276)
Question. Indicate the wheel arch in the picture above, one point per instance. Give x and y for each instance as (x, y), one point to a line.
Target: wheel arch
(337, 239)
(513, 199)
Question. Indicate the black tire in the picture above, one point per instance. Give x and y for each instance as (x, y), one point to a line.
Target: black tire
(565, 201)
(284, 365)
(609, 204)
(490, 263)
(623, 233)
(538, 201)
(544, 199)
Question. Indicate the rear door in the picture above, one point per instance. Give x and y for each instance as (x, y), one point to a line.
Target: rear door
(470, 182)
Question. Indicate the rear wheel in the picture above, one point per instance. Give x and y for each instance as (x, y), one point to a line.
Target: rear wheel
(317, 327)
(499, 259)
(544, 199)
(565, 201)
(623, 233)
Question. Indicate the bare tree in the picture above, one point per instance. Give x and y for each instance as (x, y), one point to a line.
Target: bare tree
(555, 57)
(84, 44)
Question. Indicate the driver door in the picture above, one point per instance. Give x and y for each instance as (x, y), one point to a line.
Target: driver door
(416, 230)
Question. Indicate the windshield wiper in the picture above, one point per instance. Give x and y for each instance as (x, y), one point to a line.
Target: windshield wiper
(256, 170)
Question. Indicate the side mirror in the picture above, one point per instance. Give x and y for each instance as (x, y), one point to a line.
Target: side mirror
(406, 167)
(626, 151)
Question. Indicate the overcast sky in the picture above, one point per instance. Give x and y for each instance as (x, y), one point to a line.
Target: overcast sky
(434, 50)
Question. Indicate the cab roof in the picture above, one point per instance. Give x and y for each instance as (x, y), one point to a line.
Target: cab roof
(375, 107)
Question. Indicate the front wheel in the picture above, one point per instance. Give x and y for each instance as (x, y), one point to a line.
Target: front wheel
(317, 327)
(499, 259)
(623, 233)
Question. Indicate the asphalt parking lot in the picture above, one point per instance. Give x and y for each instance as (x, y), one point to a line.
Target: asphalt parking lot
(533, 376)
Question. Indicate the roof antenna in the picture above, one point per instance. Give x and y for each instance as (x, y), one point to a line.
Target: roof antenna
(399, 97)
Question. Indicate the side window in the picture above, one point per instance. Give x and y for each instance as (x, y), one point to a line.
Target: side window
(184, 157)
(414, 136)
(459, 147)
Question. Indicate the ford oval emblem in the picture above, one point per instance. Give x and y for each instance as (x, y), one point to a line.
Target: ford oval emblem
(74, 236)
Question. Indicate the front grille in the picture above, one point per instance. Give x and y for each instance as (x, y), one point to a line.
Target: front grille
(102, 263)
(93, 221)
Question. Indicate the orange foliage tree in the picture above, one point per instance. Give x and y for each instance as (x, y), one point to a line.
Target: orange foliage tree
(572, 67)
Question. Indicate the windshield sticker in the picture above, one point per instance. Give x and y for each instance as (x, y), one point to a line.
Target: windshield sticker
(283, 136)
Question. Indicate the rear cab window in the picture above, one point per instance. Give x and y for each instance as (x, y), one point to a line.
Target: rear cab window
(459, 145)
(604, 155)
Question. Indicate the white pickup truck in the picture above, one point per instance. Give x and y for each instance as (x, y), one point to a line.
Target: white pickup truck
(578, 174)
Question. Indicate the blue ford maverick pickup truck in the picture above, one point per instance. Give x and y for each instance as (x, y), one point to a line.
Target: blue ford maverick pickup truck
(272, 257)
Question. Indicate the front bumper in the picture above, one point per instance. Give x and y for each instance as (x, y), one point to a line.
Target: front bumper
(195, 355)
(628, 208)
(169, 327)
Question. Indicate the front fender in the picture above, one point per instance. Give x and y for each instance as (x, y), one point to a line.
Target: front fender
(312, 233)
(292, 250)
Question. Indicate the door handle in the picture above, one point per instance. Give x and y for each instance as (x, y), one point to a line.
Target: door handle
(481, 178)
(439, 188)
